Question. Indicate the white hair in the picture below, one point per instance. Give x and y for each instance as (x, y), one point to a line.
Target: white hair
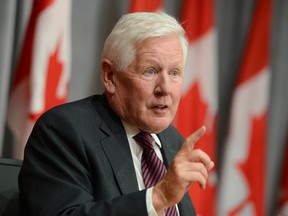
(131, 28)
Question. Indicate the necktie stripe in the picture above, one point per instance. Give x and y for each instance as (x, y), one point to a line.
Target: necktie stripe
(153, 169)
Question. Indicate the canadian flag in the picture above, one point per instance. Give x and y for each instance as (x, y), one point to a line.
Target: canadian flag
(43, 70)
(145, 5)
(198, 105)
(242, 187)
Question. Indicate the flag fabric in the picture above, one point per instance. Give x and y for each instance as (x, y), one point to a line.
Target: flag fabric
(199, 103)
(43, 71)
(145, 5)
(242, 187)
(277, 167)
(282, 207)
(7, 39)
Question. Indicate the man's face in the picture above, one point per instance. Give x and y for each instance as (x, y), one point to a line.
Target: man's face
(147, 94)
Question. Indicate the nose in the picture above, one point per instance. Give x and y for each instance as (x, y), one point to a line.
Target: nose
(163, 84)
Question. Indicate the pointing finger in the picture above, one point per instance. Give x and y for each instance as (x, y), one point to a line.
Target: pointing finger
(192, 139)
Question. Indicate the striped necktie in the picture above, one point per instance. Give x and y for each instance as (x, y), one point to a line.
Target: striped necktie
(153, 169)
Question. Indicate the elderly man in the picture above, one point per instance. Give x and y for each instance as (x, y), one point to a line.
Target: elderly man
(117, 153)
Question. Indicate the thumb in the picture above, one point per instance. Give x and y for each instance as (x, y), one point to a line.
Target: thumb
(193, 138)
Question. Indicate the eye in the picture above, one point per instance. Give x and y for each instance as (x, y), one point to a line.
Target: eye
(150, 72)
(174, 73)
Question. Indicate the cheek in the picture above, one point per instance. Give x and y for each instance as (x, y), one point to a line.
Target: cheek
(134, 95)
(141, 91)
(177, 92)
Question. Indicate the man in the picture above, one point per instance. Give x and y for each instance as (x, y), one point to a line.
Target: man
(83, 158)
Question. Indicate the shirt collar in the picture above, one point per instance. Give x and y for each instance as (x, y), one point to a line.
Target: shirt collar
(132, 131)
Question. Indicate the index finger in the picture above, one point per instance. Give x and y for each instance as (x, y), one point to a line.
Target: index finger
(192, 139)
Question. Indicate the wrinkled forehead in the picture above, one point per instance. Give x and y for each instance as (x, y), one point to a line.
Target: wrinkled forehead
(168, 46)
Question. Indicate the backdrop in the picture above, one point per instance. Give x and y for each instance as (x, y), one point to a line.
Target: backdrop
(233, 20)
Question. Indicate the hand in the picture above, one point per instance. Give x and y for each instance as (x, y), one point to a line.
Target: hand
(189, 166)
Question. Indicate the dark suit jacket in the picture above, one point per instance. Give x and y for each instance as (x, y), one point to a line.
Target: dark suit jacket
(78, 162)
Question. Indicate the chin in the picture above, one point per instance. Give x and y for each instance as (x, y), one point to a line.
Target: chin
(157, 128)
(154, 124)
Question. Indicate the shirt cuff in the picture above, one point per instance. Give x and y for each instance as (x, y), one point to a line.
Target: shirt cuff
(150, 208)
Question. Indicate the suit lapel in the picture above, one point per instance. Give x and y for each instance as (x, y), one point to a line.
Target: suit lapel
(116, 148)
(121, 163)
(167, 150)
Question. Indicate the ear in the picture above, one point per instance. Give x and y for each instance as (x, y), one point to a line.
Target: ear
(108, 73)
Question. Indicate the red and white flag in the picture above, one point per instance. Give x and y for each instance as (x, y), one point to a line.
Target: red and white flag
(199, 104)
(43, 70)
(145, 5)
(242, 187)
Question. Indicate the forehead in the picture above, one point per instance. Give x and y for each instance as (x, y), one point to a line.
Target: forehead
(160, 47)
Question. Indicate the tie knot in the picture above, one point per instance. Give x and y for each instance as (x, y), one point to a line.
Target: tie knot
(144, 140)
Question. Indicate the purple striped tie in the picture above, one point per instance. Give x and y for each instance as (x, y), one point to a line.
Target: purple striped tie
(153, 169)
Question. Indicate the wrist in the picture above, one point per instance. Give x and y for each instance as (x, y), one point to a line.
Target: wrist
(159, 199)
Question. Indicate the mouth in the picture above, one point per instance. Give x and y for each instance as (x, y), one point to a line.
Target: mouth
(161, 107)
(160, 111)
